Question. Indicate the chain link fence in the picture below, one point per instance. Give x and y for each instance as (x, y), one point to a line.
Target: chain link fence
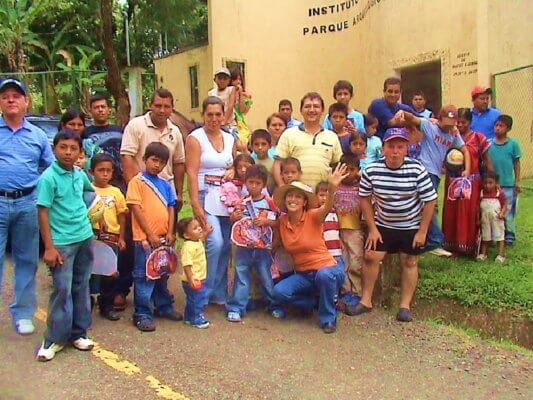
(513, 95)
(52, 92)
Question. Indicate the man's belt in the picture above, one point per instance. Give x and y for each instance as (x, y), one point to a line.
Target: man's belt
(16, 194)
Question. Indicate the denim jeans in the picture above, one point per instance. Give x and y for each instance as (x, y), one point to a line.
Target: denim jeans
(69, 308)
(510, 227)
(245, 260)
(18, 219)
(217, 251)
(300, 290)
(435, 235)
(195, 301)
(147, 291)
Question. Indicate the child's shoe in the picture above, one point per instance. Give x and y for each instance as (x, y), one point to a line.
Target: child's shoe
(200, 323)
(47, 352)
(481, 257)
(234, 316)
(83, 344)
(500, 259)
(25, 327)
(277, 313)
(144, 324)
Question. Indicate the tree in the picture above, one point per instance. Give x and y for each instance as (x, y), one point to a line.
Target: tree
(113, 80)
(16, 36)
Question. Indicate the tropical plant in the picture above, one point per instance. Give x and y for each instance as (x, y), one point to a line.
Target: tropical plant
(16, 38)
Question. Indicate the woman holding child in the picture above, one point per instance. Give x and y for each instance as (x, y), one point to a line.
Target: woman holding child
(316, 271)
(210, 152)
(460, 219)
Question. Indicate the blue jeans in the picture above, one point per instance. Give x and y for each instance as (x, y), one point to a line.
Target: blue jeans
(435, 235)
(510, 227)
(195, 301)
(217, 251)
(245, 260)
(147, 291)
(69, 308)
(18, 219)
(301, 288)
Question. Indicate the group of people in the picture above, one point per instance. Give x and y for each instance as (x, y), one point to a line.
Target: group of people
(302, 212)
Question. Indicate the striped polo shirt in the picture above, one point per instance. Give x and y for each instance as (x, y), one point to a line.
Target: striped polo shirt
(398, 193)
(315, 152)
(332, 235)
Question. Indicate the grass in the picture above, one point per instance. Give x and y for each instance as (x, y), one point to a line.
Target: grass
(487, 284)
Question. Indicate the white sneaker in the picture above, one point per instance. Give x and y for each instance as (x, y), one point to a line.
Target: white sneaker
(500, 259)
(441, 252)
(46, 354)
(25, 327)
(83, 344)
(481, 257)
(233, 316)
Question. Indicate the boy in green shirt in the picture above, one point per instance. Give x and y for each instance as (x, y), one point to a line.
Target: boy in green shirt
(67, 234)
(505, 154)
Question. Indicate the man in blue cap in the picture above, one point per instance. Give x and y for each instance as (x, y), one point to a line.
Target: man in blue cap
(24, 149)
(404, 203)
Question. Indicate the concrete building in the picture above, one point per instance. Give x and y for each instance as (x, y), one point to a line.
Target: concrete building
(289, 47)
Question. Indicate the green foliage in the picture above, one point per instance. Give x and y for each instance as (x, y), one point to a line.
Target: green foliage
(488, 284)
(16, 37)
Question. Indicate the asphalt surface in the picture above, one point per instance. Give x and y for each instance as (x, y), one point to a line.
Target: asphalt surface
(369, 357)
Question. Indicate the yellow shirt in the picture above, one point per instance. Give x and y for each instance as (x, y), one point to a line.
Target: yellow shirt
(115, 205)
(193, 254)
(315, 152)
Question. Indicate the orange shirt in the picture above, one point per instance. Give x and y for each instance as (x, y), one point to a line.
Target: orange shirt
(305, 243)
(155, 212)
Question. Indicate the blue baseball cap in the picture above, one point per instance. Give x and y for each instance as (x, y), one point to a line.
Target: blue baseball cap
(14, 83)
(395, 133)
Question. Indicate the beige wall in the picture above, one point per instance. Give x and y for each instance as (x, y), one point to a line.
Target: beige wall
(472, 39)
(173, 74)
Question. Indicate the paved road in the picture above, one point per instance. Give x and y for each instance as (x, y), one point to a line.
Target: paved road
(370, 357)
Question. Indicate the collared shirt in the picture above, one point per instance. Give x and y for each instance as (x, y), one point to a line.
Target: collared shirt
(61, 191)
(192, 254)
(304, 241)
(22, 153)
(141, 131)
(315, 152)
(384, 112)
(484, 122)
(291, 123)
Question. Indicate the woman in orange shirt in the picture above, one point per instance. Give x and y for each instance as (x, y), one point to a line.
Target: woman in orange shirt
(316, 271)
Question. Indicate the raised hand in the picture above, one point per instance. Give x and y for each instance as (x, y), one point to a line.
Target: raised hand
(337, 175)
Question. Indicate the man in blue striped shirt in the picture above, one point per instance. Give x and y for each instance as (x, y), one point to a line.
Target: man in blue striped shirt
(24, 149)
(405, 200)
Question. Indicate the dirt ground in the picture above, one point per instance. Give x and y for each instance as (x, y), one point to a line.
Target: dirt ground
(370, 357)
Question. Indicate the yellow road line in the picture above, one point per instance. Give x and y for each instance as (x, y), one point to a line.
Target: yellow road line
(126, 367)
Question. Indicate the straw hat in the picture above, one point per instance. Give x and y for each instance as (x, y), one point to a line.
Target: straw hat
(279, 195)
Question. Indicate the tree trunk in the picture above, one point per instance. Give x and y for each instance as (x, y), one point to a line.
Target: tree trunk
(113, 81)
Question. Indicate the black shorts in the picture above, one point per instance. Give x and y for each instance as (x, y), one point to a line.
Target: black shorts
(398, 241)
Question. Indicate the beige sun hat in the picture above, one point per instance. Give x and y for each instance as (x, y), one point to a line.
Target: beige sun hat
(279, 194)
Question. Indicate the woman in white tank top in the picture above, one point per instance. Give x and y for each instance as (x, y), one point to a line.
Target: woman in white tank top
(209, 154)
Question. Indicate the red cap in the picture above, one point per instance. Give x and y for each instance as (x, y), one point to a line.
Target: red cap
(476, 90)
